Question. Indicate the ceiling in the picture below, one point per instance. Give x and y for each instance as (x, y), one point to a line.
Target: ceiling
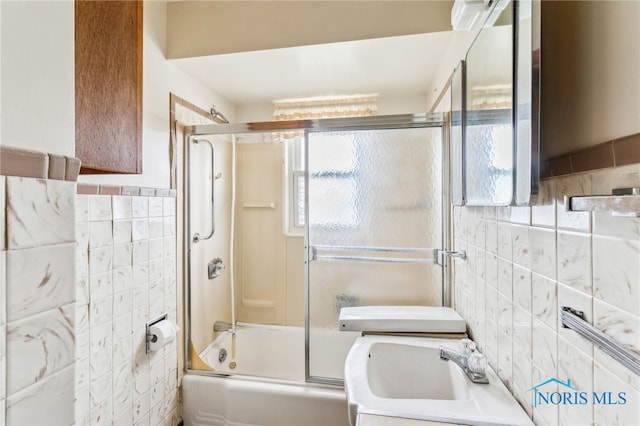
(391, 67)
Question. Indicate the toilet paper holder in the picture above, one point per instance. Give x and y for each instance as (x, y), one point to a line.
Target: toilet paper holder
(149, 324)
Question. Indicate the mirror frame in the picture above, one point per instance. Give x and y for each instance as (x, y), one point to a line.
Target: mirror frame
(526, 120)
(457, 112)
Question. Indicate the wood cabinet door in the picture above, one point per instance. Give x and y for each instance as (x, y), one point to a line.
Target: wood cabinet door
(108, 85)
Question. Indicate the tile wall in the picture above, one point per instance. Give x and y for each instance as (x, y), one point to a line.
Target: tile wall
(524, 263)
(37, 337)
(126, 276)
(80, 276)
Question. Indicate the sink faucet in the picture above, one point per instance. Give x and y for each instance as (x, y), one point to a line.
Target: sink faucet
(472, 362)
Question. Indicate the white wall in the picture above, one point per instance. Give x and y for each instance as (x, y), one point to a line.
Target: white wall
(202, 28)
(37, 40)
(37, 54)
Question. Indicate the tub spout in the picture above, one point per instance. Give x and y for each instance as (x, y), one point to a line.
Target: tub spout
(221, 326)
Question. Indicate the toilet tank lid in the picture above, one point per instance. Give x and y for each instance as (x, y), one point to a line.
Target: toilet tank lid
(401, 319)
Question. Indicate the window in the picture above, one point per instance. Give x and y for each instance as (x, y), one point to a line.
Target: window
(337, 176)
(294, 190)
(332, 181)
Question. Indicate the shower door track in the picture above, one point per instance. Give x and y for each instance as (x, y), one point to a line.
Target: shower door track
(401, 121)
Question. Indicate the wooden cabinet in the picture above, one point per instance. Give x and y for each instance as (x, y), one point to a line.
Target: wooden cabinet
(108, 85)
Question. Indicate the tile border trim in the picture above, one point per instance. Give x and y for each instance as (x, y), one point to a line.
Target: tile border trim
(135, 191)
(34, 164)
(615, 153)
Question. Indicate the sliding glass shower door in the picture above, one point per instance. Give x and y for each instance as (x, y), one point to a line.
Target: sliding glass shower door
(368, 195)
(375, 221)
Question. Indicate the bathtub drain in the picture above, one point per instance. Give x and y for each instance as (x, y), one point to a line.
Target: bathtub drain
(222, 355)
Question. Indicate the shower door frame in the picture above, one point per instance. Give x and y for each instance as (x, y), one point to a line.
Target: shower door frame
(382, 122)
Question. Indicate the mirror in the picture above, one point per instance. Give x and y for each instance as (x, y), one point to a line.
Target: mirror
(496, 92)
(488, 122)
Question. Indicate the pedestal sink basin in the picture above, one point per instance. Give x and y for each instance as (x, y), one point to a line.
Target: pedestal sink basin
(405, 377)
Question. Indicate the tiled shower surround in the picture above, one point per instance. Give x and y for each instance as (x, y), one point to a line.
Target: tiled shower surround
(524, 263)
(126, 276)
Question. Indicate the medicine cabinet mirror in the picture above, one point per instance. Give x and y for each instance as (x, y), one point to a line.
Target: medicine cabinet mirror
(495, 92)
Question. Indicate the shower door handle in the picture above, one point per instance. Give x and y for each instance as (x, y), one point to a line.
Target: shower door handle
(197, 237)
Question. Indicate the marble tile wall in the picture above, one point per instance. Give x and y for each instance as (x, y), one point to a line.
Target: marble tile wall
(37, 294)
(126, 276)
(524, 263)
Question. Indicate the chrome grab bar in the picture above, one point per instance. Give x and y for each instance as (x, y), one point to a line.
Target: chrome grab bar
(197, 237)
(424, 260)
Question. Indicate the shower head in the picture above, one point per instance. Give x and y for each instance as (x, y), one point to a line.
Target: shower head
(217, 114)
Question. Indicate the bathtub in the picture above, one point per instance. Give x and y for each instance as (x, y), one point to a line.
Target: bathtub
(244, 401)
(267, 387)
(277, 352)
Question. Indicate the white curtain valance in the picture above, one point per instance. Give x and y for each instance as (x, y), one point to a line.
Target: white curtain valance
(325, 107)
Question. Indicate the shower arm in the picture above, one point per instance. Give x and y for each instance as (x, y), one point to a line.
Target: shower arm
(197, 237)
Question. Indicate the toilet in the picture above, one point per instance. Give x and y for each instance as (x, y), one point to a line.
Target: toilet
(428, 321)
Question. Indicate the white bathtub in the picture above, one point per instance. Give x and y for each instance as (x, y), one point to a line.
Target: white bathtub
(277, 352)
(243, 401)
(267, 387)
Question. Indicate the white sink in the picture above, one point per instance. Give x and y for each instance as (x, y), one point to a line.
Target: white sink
(405, 377)
(399, 371)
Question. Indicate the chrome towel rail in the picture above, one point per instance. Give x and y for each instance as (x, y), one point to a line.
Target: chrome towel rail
(375, 249)
(371, 259)
(429, 258)
(197, 237)
(621, 202)
(574, 320)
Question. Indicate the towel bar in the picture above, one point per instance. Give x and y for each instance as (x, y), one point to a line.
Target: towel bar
(622, 202)
(430, 254)
(574, 319)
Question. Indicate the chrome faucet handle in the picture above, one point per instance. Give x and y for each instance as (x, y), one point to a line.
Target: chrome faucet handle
(477, 363)
(466, 347)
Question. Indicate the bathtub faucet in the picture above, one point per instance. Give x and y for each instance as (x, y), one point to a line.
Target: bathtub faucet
(472, 362)
(221, 326)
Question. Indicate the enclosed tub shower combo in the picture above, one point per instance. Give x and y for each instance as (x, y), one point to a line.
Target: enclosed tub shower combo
(285, 224)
